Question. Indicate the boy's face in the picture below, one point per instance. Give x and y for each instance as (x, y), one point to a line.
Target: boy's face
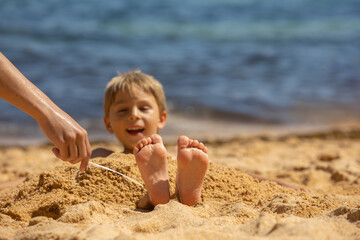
(133, 117)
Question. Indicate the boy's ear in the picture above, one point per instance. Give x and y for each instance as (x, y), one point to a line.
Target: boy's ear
(162, 121)
(108, 125)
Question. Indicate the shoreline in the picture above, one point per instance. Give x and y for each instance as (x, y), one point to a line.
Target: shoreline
(203, 129)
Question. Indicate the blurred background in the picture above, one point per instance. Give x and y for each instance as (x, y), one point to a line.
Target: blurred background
(226, 65)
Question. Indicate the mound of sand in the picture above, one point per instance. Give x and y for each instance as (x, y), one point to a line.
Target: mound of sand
(98, 204)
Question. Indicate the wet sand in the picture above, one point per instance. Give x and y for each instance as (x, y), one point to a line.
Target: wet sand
(56, 202)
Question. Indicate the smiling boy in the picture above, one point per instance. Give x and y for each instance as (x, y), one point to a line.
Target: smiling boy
(135, 110)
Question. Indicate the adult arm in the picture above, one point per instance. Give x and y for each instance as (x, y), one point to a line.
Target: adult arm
(70, 139)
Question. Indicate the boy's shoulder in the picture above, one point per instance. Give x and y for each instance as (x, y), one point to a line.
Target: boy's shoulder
(101, 152)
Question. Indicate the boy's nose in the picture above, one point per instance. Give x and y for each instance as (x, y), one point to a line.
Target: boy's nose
(134, 115)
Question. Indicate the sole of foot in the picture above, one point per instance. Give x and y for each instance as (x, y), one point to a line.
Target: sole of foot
(151, 158)
(192, 163)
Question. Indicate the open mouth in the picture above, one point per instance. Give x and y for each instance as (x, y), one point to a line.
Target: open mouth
(135, 131)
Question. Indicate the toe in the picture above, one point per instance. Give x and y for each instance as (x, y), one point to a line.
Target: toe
(195, 144)
(205, 150)
(135, 150)
(201, 146)
(139, 145)
(144, 141)
(183, 142)
(156, 138)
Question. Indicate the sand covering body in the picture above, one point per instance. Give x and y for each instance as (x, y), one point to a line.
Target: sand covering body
(63, 204)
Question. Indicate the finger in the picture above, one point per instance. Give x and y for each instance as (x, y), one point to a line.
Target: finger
(83, 143)
(84, 164)
(74, 156)
(76, 160)
(82, 148)
(83, 154)
(88, 147)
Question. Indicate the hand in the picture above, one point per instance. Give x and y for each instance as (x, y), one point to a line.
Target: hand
(70, 139)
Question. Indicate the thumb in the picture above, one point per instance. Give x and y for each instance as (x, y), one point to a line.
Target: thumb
(56, 152)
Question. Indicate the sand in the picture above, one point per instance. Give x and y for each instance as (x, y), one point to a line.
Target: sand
(56, 202)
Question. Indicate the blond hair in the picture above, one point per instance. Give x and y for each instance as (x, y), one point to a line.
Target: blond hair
(127, 82)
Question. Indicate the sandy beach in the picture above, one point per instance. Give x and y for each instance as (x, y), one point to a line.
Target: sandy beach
(56, 202)
(272, 88)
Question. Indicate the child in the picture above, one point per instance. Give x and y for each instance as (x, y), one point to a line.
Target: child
(135, 110)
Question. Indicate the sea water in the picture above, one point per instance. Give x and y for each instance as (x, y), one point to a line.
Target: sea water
(243, 61)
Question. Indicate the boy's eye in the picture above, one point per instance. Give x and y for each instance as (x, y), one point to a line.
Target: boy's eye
(122, 110)
(144, 108)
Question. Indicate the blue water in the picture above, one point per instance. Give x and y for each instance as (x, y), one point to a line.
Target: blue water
(273, 61)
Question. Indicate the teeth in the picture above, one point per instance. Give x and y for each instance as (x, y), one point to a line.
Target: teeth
(135, 129)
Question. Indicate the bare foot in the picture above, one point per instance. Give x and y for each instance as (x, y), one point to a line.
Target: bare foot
(150, 155)
(192, 161)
